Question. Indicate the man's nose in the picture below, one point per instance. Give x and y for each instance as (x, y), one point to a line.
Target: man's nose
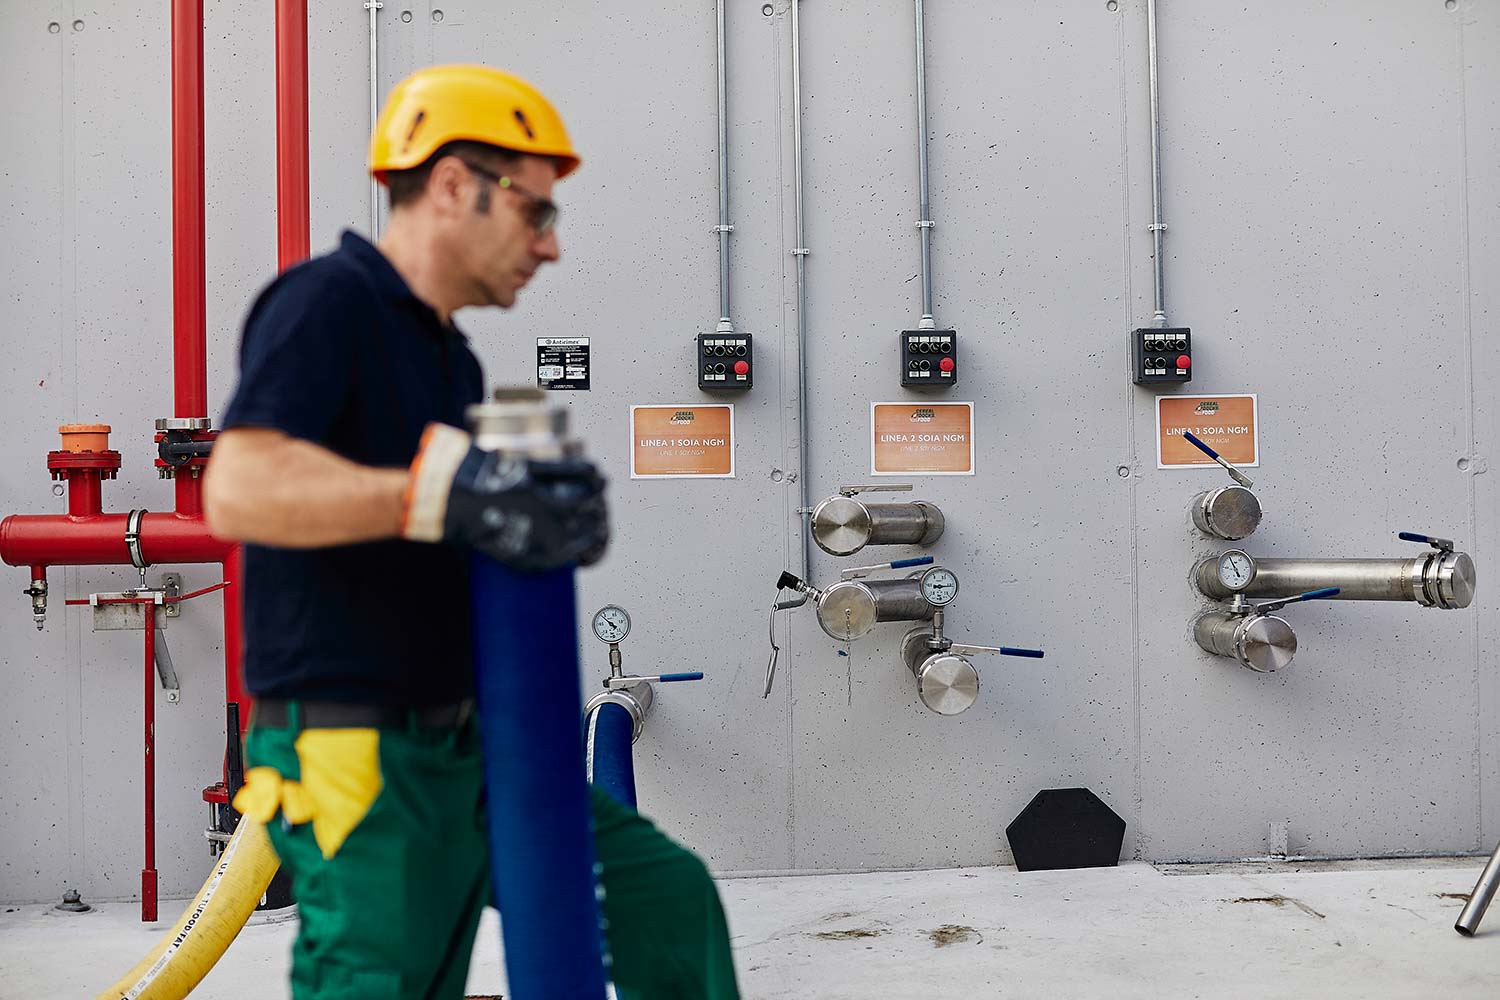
(546, 247)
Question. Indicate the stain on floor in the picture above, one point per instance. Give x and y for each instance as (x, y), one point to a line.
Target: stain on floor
(948, 934)
(1463, 896)
(1279, 901)
(854, 934)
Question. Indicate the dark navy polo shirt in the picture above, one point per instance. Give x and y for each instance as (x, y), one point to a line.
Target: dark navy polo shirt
(338, 351)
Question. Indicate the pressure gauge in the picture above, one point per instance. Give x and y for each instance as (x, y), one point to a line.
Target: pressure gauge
(611, 623)
(939, 586)
(1235, 570)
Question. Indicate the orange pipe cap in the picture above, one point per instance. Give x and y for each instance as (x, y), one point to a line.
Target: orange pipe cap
(84, 437)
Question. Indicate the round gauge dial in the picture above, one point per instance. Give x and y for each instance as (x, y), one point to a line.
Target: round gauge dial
(611, 623)
(1236, 569)
(939, 586)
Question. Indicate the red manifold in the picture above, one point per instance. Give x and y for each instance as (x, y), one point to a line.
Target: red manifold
(99, 540)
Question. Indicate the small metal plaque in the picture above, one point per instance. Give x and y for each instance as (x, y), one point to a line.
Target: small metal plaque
(122, 617)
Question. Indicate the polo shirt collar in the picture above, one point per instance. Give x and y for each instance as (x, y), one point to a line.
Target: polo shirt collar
(387, 279)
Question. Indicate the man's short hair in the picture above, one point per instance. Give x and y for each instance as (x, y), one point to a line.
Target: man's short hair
(406, 186)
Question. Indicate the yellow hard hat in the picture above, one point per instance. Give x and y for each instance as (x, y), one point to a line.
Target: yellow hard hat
(440, 104)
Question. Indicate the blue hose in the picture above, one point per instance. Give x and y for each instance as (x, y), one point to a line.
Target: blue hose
(536, 795)
(610, 732)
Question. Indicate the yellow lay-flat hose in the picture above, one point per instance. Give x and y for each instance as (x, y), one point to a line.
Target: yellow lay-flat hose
(206, 928)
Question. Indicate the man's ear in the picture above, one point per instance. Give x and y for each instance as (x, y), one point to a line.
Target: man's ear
(448, 185)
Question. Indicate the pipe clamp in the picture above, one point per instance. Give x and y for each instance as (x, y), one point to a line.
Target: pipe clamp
(133, 539)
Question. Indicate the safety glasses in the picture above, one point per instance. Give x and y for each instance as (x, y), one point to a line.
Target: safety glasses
(541, 213)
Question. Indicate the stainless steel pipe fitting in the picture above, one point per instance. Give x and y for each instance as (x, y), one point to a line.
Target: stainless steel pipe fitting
(842, 525)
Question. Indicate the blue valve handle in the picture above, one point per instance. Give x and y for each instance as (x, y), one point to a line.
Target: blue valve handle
(1035, 654)
(1234, 473)
(1198, 443)
(904, 563)
(695, 675)
(1441, 544)
(1313, 595)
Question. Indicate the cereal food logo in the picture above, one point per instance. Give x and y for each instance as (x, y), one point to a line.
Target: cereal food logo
(683, 417)
(1206, 407)
(922, 415)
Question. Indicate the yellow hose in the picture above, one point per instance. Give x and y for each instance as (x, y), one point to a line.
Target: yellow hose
(211, 922)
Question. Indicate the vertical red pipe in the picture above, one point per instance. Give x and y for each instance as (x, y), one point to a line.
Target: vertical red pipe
(234, 675)
(189, 492)
(189, 323)
(292, 239)
(85, 493)
(148, 873)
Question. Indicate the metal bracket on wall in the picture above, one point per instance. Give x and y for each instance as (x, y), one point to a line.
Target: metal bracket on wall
(171, 586)
(125, 616)
(165, 670)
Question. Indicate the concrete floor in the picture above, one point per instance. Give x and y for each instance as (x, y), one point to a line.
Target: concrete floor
(1365, 930)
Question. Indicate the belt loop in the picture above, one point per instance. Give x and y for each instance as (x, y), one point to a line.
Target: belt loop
(461, 722)
(294, 717)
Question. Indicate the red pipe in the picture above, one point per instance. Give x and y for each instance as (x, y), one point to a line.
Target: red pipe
(85, 493)
(234, 677)
(148, 873)
(189, 488)
(189, 292)
(60, 540)
(292, 240)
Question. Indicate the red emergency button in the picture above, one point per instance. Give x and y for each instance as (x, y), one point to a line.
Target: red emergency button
(946, 364)
(1184, 362)
(742, 368)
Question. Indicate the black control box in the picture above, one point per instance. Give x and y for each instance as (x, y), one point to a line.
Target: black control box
(725, 361)
(929, 359)
(1162, 354)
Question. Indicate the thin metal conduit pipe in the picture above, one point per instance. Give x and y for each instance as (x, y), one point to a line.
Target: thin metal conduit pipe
(800, 251)
(1158, 227)
(726, 325)
(1479, 899)
(924, 219)
(373, 6)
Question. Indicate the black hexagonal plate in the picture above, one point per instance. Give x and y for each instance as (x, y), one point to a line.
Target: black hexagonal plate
(1066, 828)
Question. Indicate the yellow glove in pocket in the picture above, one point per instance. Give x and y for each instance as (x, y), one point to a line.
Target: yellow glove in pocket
(340, 781)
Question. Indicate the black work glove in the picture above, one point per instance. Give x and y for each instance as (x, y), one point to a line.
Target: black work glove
(530, 515)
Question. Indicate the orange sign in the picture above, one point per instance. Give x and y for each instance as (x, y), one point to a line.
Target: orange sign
(1227, 424)
(935, 439)
(682, 442)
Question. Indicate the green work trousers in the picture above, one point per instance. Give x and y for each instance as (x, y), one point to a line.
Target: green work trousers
(383, 833)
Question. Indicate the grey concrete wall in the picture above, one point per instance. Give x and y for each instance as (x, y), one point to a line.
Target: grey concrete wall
(1333, 191)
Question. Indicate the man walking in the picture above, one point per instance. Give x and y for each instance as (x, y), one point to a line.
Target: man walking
(343, 469)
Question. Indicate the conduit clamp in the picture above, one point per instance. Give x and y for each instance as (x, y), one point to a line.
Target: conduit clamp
(133, 539)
